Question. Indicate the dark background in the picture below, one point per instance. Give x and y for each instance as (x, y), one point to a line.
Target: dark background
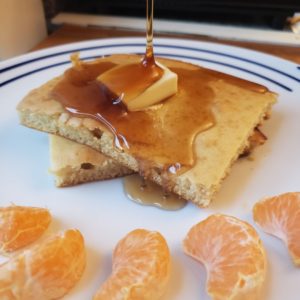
(266, 13)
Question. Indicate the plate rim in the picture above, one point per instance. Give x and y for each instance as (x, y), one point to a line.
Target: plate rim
(210, 48)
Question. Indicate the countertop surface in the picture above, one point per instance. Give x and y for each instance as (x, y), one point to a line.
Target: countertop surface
(70, 33)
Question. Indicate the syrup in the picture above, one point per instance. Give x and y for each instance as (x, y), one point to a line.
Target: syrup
(162, 136)
(146, 192)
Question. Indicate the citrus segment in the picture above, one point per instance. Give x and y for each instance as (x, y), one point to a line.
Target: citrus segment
(232, 254)
(141, 267)
(21, 225)
(46, 271)
(280, 216)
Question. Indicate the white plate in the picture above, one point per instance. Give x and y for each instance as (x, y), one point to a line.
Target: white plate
(103, 213)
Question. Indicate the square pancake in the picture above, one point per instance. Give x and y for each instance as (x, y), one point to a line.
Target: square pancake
(237, 110)
(73, 163)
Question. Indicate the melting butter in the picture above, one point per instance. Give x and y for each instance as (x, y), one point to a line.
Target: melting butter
(140, 85)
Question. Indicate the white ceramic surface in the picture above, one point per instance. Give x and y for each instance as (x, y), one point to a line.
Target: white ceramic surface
(100, 209)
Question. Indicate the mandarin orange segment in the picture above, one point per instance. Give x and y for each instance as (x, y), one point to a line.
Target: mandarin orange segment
(280, 216)
(46, 271)
(233, 256)
(21, 225)
(141, 268)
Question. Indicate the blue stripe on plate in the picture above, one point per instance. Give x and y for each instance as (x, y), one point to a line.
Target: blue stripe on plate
(238, 58)
(58, 54)
(157, 46)
(230, 66)
(32, 72)
(162, 54)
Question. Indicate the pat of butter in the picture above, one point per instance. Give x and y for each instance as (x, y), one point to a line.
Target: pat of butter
(161, 89)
